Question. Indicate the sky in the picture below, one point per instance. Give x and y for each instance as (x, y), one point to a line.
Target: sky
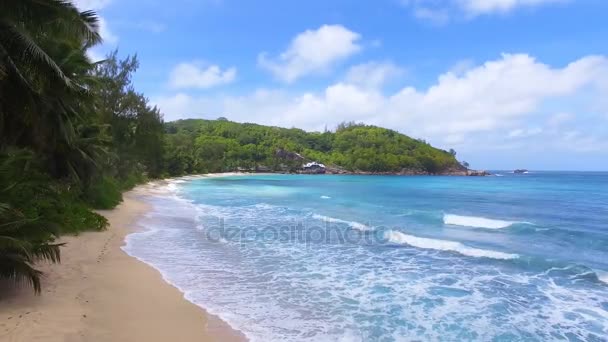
(506, 83)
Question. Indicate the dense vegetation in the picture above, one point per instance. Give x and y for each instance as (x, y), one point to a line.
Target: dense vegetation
(73, 133)
(220, 145)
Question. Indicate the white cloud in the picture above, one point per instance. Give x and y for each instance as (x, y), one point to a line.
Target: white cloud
(194, 75)
(560, 118)
(462, 66)
(516, 133)
(182, 106)
(442, 11)
(477, 7)
(583, 142)
(525, 133)
(373, 74)
(91, 4)
(312, 51)
(490, 95)
(106, 34)
(95, 55)
(438, 16)
(497, 96)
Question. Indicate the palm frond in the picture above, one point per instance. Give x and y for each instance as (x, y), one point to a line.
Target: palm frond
(47, 252)
(17, 246)
(60, 17)
(31, 52)
(90, 31)
(4, 207)
(18, 270)
(9, 67)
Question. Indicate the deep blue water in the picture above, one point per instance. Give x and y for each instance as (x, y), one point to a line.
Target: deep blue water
(388, 258)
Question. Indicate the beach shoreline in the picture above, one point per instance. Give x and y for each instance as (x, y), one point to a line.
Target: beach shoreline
(100, 293)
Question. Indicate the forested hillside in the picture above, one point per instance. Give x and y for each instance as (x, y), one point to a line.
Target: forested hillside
(194, 146)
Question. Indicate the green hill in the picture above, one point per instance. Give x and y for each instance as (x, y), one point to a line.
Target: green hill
(194, 146)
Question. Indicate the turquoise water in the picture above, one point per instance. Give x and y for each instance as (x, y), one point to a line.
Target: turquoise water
(388, 258)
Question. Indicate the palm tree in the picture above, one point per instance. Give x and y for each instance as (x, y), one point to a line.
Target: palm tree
(45, 99)
(37, 39)
(17, 254)
(60, 116)
(47, 111)
(24, 235)
(25, 27)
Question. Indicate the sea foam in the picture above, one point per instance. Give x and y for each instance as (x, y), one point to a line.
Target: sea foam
(352, 224)
(602, 276)
(443, 245)
(476, 222)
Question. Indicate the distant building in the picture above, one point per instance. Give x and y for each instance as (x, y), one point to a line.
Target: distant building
(313, 167)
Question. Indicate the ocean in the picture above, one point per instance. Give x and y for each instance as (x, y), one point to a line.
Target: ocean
(510, 257)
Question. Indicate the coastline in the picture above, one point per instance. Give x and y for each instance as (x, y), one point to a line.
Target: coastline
(331, 172)
(96, 292)
(100, 293)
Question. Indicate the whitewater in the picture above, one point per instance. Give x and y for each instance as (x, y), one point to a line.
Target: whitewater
(384, 258)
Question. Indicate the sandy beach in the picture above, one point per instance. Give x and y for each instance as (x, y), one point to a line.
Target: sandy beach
(99, 293)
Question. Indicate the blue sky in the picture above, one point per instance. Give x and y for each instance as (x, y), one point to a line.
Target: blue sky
(507, 83)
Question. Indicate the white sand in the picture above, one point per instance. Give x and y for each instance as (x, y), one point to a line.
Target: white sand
(99, 293)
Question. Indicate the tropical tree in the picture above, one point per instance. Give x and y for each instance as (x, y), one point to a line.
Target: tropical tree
(45, 82)
(18, 254)
(136, 128)
(25, 231)
(73, 134)
(46, 116)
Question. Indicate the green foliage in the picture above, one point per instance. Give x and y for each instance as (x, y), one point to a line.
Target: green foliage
(34, 210)
(221, 145)
(104, 193)
(136, 129)
(132, 179)
(73, 134)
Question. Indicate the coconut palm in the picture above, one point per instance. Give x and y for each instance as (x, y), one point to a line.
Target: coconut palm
(37, 39)
(72, 133)
(24, 233)
(45, 100)
(17, 254)
(47, 111)
(27, 25)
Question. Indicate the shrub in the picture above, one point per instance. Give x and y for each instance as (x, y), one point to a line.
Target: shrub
(104, 193)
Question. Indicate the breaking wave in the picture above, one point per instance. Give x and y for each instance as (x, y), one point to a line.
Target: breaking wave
(477, 222)
(443, 245)
(352, 224)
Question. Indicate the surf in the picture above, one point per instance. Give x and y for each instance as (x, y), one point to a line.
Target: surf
(444, 245)
(602, 276)
(353, 224)
(476, 222)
